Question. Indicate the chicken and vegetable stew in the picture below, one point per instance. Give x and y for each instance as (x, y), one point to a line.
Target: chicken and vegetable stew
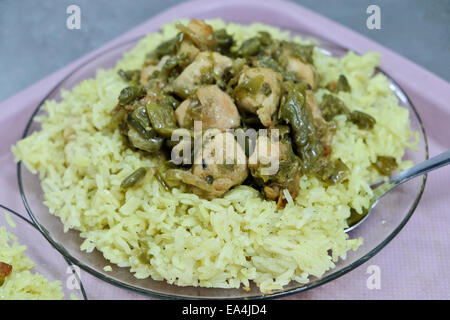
(264, 83)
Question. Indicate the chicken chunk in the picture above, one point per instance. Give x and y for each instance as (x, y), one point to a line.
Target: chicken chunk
(274, 164)
(304, 71)
(258, 91)
(222, 163)
(200, 33)
(266, 154)
(219, 166)
(219, 110)
(205, 63)
(188, 48)
(183, 114)
(325, 129)
(147, 71)
(214, 108)
(302, 68)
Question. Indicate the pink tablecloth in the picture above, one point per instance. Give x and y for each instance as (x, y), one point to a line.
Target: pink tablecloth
(413, 266)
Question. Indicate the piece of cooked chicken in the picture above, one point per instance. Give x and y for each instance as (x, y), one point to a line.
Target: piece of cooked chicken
(147, 71)
(214, 108)
(191, 77)
(325, 129)
(304, 71)
(200, 33)
(221, 165)
(189, 49)
(222, 162)
(258, 91)
(274, 164)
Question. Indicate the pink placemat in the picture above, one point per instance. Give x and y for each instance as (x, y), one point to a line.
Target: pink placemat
(413, 266)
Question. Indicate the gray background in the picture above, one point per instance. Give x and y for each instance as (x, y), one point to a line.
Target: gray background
(35, 42)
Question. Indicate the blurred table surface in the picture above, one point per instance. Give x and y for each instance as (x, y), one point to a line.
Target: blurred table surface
(34, 39)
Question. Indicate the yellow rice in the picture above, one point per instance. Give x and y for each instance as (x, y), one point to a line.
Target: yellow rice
(183, 239)
(22, 283)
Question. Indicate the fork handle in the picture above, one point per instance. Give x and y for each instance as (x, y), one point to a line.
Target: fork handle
(421, 168)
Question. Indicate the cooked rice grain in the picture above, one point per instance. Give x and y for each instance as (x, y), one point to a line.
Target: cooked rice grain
(22, 283)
